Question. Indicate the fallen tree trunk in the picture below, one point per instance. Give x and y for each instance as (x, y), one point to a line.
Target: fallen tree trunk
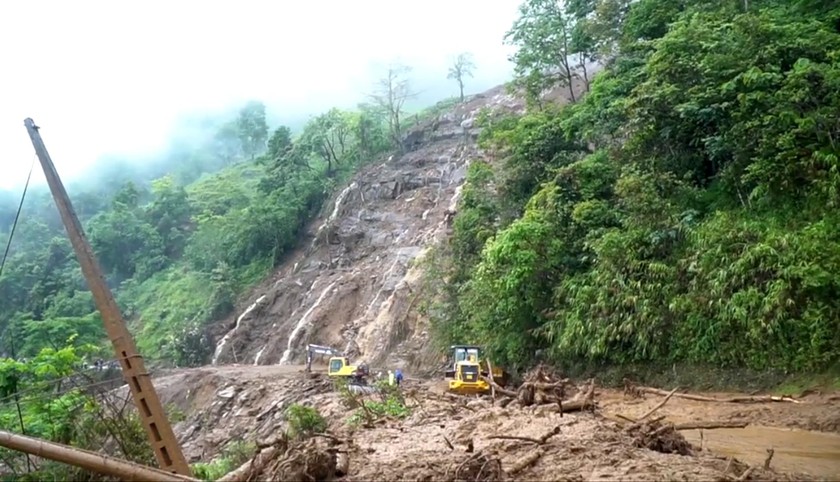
(700, 398)
(709, 425)
(252, 467)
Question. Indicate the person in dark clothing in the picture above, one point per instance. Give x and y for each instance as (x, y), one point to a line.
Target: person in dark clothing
(398, 376)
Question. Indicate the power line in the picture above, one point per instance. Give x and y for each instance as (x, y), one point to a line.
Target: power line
(17, 217)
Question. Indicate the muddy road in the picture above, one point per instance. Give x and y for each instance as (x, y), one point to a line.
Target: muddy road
(804, 437)
(235, 403)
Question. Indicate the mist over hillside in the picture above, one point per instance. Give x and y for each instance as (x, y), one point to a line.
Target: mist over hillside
(135, 108)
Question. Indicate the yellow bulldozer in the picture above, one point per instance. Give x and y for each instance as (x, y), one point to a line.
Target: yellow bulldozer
(469, 370)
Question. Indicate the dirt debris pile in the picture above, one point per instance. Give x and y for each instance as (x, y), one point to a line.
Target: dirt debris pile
(543, 386)
(290, 460)
(441, 436)
(477, 468)
(451, 438)
(660, 437)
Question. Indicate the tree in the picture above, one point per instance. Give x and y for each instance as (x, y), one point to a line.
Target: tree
(370, 131)
(463, 67)
(329, 136)
(543, 35)
(252, 128)
(226, 142)
(280, 142)
(390, 95)
(170, 215)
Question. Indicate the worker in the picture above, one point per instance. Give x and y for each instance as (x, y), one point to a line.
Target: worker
(399, 376)
(390, 377)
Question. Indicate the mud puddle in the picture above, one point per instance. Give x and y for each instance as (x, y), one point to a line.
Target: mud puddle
(795, 450)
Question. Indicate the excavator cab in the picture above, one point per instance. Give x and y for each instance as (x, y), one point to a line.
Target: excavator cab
(337, 366)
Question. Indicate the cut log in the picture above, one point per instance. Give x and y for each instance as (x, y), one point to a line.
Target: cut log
(524, 462)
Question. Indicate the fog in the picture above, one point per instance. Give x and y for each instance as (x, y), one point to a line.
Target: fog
(119, 79)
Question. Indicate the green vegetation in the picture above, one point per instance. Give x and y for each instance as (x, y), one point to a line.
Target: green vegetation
(51, 397)
(386, 402)
(684, 211)
(304, 421)
(233, 455)
(179, 254)
(369, 411)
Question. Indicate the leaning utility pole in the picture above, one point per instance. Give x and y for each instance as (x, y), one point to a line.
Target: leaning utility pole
(162, 438)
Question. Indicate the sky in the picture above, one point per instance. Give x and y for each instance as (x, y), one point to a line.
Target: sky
(114, 78)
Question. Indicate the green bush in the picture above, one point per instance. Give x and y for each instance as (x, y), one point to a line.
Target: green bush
(304, 421)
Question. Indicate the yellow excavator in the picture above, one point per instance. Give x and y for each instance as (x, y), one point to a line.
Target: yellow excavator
(468, 370)
(339, 365)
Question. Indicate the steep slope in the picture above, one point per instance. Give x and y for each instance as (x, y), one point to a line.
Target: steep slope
(352, 284)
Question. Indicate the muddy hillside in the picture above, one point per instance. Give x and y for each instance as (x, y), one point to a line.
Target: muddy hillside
(351, 283)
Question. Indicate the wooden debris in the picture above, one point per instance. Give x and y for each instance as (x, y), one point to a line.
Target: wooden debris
(629, 388)
(746, 474)
(524, 462)
(540, 441)
(659, 405)
(658, 436)
(770, 453)
(709, 425)
(540, 388)
(493, 384)
(478, 467)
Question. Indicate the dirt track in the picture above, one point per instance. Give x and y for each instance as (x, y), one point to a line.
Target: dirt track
(248, 402)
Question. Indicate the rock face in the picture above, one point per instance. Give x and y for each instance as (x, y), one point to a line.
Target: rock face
(353, 284)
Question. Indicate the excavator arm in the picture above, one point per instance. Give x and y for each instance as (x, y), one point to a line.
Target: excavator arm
(318, 350)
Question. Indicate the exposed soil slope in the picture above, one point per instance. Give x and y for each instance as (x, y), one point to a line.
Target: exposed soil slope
(351, 284)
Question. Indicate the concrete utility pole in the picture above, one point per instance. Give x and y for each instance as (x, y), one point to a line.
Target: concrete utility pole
(162, 438)
(88, 460)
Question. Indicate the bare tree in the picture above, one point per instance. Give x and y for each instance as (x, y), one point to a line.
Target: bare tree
(463, 67)
(390, 95)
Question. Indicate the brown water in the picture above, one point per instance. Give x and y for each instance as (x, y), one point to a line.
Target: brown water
(813, 453)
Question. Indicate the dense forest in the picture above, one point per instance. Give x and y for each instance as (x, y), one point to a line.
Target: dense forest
(684, 210)
(180, 238)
